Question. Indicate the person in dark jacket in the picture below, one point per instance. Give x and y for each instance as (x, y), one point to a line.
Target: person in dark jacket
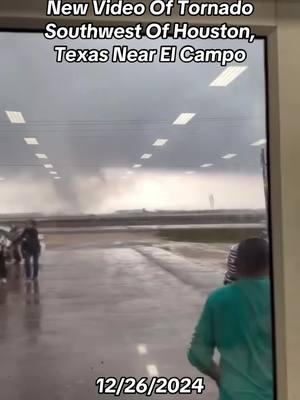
(3, 271)
(31, 250)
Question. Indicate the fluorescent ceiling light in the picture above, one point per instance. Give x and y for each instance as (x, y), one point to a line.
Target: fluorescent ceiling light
(2, 179)
(39, 155)
(152, 370)
(206, 165)
(142, 349)
(259, 142)
(227, 76)
(183, 118)
(57, 177)
(190, 172)
(146, 156)
(160, 142)
(53, 172)
(48, 166)
(137, 166)
(15, 117)
(228, 156)
(31, 140)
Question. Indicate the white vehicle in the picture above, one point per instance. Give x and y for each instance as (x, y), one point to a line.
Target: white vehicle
(4, 242)
(42, 242)
(4, 234)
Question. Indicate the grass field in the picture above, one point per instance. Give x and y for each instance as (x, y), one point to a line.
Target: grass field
(209, 235)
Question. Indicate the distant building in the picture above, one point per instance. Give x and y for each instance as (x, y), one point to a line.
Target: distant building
(138, 211)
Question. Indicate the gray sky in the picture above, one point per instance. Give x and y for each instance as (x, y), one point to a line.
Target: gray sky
(95, 121)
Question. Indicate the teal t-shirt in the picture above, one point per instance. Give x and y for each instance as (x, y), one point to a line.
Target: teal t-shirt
(237, 321)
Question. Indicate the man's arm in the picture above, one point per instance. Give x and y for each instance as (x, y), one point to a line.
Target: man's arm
(23, 234)
(201, 350)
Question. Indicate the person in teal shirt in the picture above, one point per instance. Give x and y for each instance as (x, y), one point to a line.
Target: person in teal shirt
(236, 320)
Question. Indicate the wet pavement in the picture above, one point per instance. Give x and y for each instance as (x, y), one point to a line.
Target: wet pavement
(101, 312)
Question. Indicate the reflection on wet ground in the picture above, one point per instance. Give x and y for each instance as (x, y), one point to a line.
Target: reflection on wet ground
(101, 312)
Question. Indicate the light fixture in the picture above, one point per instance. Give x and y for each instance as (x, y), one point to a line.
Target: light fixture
(183, 118)
(42, 156)
(31, 141)
(57, 177)
(137, 166)
(142, 349)
(228, 76)
(152, 370)
(259, 142)
(229, 156)
(15, 117)
(146, 156)
(130, 172)
(190, 172)
(2, 179)
(206, 165)
(53, 172)
(160, 142)
(48, 166)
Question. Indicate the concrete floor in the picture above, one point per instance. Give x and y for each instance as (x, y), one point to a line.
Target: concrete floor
(92, 309)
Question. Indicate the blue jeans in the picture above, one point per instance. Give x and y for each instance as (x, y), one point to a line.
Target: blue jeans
(31, 258)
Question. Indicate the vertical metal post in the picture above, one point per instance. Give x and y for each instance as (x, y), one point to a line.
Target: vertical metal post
(265, 177)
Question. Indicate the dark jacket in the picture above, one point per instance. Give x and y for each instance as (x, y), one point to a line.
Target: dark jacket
(2, 249)
(30, 241)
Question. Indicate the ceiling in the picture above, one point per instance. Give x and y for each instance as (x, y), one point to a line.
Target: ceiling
(108, 115)
(90, 117)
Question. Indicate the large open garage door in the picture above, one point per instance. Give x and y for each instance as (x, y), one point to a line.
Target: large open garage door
(141, 178)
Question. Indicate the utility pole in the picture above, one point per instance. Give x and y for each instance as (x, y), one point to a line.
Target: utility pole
(264, 166)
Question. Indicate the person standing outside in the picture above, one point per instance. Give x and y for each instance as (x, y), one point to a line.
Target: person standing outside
(236, 321)
(31, 249)
(3, 270)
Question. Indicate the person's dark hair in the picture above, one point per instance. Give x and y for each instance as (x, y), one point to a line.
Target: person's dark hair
(253, 257)
(32, 222)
